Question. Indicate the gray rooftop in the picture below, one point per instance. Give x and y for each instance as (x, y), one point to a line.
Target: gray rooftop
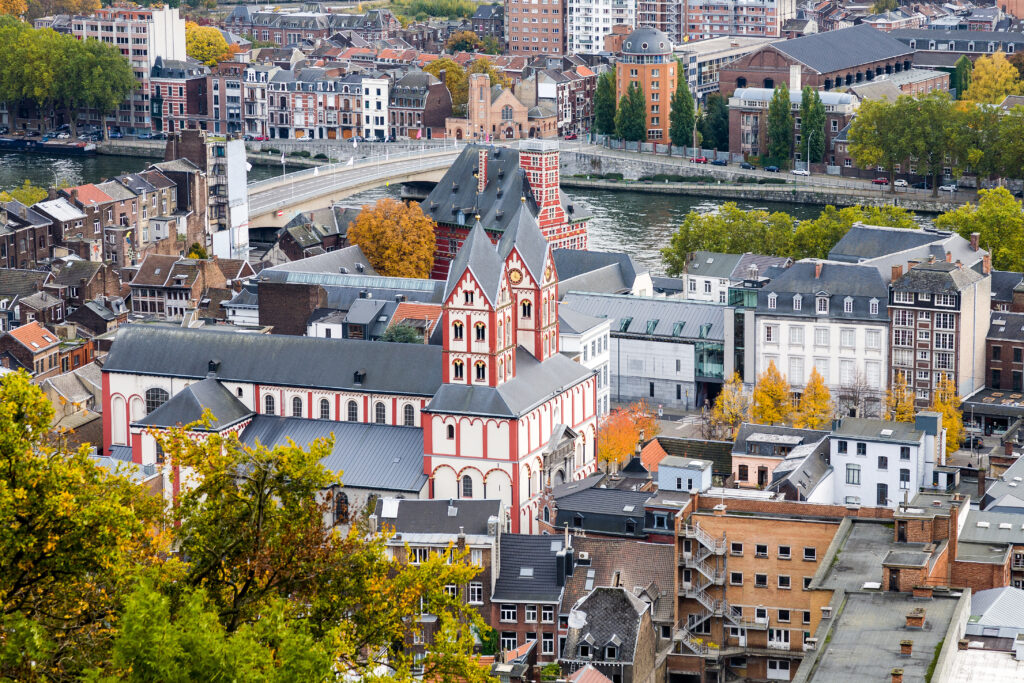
(937, 277)
(836, 281)
(608, 616)
(670, 319)
(351, 259)
(1006, 326)
(479, 256)
(574, 322)
(878, 430)
(191, 403)
(537, 553)
(862, 242)
(845, 48)
(439, 516)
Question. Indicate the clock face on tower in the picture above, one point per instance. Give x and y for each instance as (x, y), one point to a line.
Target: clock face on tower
(547, 273)
(515, 276)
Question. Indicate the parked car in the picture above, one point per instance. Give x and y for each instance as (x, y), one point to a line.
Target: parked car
(4, 130)
(880, 181)
(145, 136)
(115, 135)
(921, 186)
(972, 442)
(62, 136)
(31, 133)
(800, 171)
(698, 160)
(772, 169)
(570, 136)
(719, 162)
(900, 183)
(159, 136)
(747, 165)
(951, 187)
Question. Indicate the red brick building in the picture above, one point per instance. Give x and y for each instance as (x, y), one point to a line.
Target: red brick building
(646, 59)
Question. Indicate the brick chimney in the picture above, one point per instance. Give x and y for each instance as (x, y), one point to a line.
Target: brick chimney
(897, 675)
(923, 592)
(982, 483)
(481, 173)
(959, 264)
(962, 644)
(817, 270)
(897, 272)
(911, 263)
(986, 264)
(906, 648)
(975, 240)
(949, 257)
(915, 619)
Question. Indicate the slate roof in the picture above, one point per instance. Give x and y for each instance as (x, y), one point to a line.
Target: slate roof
(837, 280)
(365, 455)
(73, 273)
(574, 322)
(959, 39)
(16, 282)
(761, 261)
(189, 404)
(669, 319)
(872, 429)
(282, 360)
(802, 469)
(718, 452)
(40, 301)
(1008, 326)
(604, 501)
(647, 40)
(604, 617)
(937, 277)
(712, 264)
(845, 48)
(572, 263)
(862, 242)
(1003, 282)
(748, 429)
(534, 383)
(61, 210)
(479, 257)
(643, 568)
(418, 516)
(523, 234)
(533, 552)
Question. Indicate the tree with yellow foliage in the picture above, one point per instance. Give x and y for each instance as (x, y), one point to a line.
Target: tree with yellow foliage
(206, 44)
(772, 402)
(28, 194)
(14, 8)
(946, 402)
(621, 431)
(397, 238)
(732, 406)
(992, 79)
(899, 401)
(815, 410)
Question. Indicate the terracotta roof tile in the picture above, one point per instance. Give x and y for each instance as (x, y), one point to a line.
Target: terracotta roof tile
(34, 337)
(651, 455)
(90, 194)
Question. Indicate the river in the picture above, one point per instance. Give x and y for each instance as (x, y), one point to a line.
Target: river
(634, 222)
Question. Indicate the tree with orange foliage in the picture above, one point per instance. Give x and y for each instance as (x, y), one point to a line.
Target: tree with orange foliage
(397, 238)
(621, 431)
(15, 8)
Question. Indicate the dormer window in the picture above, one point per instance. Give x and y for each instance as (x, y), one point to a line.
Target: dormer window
(848, 305)
(584, 651)
(611, 653)
(822, 305)
(772, 301)
(798, 302)
(873, 307)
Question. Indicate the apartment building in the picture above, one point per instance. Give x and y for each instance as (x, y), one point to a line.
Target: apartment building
(703, 59)
(711, 18)
(255, 100)
(647, 60)
(419, 105)
(585, 338)
(1004, 352)
(224, 93)
(536, 27)
(939, 315)
(587, 22)
(829, 316)
(178, 94)
(709, 274)
(376, 101)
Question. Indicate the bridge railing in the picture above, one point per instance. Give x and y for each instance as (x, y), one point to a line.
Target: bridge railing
(364, 162)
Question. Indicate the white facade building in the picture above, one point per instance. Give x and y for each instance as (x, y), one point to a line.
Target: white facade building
(830, 316)
(587, 22)
(586, 337)
(676, 473)
(375, 108)
(709, 274)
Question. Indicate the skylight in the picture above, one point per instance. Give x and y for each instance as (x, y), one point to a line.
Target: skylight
(628, 508)
(526, 572)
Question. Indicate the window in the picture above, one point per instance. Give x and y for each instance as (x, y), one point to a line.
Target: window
(847, 338)
(467, 486)
(807, 585)
(353, 411)
(784, 552)
(547, 644)
(296, 407)
(903, 297)
(760, 580)
(379, 413)
(798, 302)
(945, 299)
(821, 336)
(526, 309)
(853, 475)
(882, 497)
(584, 651)
(862, 448)
(458, 369)
(904, 478)
(155, 398)
(408, 415)
(742, 472)
(269, 406)
(736, 548)
(467, 298)
(772, 299)
(873, 307)
(325, 409)
(848, 305)
(841, 447)
(481, 331)
(509, 612)
(810, 553)
(457, 330)
(883, 462)
(783, 613)
(736, 578)
(509, 640)
(760, 550)
(531, 614)
(822, 304)
(784, 582)
(481, 371)
(771, 334)
(944, 321)
(796, 335)
(476, 593)
(419, 555)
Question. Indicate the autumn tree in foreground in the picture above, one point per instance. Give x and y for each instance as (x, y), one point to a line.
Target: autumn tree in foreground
(620, 432)
(772, 403)
(731, 409)
(815, 410)
(946, 402)
(899, 401)
(397, 238)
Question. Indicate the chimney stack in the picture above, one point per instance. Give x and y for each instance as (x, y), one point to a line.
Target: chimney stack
(481, 174)
(915, 619)
(986, 264)
(911, 263)
(982, 483)
(817, 270)
(897, 675)
(949, 257)
(959, 264)
(975, 240)
(897, 273)
(906, 648)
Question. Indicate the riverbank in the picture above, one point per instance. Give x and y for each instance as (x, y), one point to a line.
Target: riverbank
(769, 193)
(154, 149)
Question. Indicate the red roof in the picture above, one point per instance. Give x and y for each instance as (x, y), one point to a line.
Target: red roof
(651, 455)
(584, 71)
(588, 674)
(90, 195)
(34, 337)
(414, 311)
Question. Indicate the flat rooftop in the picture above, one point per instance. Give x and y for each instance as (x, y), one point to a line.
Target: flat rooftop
(991, 666)
(859, 559)
(865, 640)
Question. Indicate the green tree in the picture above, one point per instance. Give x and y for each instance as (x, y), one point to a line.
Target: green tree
(772, 403)
(490, 45)
(486, 66)
(198, 251)
(882, 6)
(402, 334)
(714, 123)
(999, 218)
(108, 79)
(930, 123)
(1009, 143)
(812, 125)
(730, 230)
(604, 104)
(463, 41)
(631, 115)
(780, 127)
(974, 138)
(28, 194)
(881, 135)
(682, 120)
(960, 80)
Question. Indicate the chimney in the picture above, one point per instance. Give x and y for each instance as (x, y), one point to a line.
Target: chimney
(481, 174)
(897, 273)
(923, 592)
(959, 264)
(794, 78)
(915, 619)
(897, 675)
(817, 270)
(962, 644)
(719, 510)
(949, 257)
(986, 264)
(1008, 449)
(906, 648)
(982, 483)
(975, 239)
(74, 193)
(911, 263)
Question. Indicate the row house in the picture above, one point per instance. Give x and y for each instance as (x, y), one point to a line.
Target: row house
(178, 94)
(419, 105)
(894, 19)
(76, 281)
(569, 84)
(489, 21)
(1004, 352)
(34, 347)
(121, 223)
(291, 28)
(25, 239)
(168, 286)
(255, 102)
(224, 93)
